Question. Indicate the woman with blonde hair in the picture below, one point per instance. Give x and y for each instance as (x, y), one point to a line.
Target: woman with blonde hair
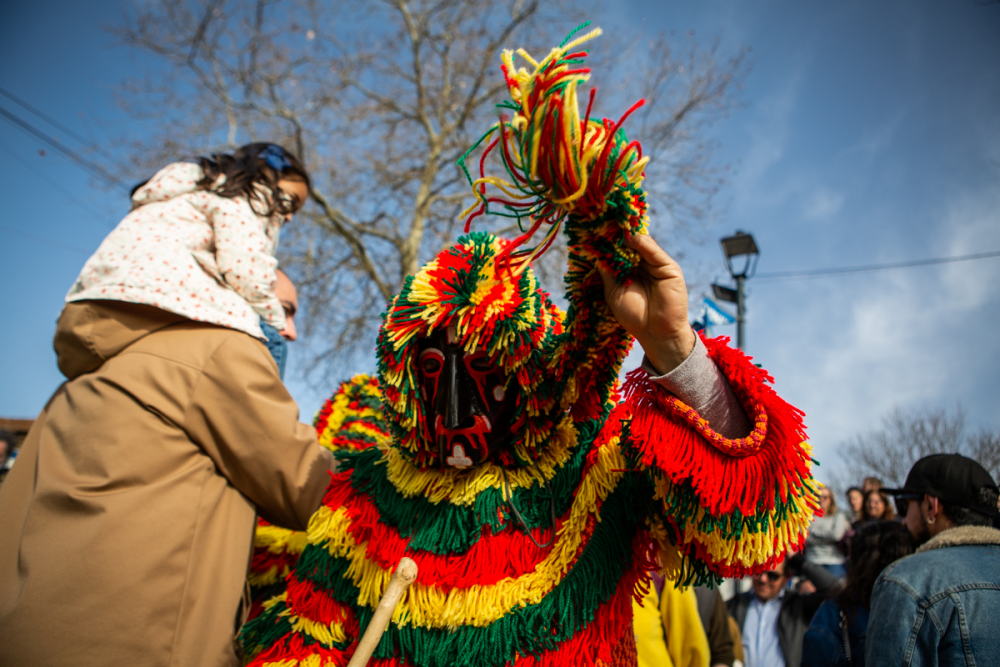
(825, 533)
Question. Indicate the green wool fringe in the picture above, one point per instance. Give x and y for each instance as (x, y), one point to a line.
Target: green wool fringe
(446, 529)
(532, 629)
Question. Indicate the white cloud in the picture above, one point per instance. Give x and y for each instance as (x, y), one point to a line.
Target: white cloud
(823, 204)
(848, 349)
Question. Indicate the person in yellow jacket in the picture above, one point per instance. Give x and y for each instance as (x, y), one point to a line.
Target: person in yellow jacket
(668, 630)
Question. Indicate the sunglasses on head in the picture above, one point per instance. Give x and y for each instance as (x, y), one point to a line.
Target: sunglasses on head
(903, 502)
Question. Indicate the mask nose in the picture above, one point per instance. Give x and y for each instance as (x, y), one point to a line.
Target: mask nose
(457, 404)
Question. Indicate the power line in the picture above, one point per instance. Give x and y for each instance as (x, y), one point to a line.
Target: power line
(53, 184)
(782, 275)
(44, 116)
(73, 155)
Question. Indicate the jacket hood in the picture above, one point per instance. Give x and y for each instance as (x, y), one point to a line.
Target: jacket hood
(502, 310)
(91, 332)
(173, 180)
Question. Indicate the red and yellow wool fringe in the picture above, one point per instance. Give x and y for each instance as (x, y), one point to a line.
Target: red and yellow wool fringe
(764, 476)
(444, 605)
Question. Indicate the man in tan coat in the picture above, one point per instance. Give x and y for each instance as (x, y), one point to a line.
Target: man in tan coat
(127, 523)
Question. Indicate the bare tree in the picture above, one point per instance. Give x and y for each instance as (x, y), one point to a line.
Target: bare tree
(380, 98)
(890, 451)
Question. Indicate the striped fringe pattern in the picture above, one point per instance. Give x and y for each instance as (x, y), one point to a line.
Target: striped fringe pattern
(728, 508)
(490, 599)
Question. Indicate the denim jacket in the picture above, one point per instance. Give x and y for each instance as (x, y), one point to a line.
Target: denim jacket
(940, 606)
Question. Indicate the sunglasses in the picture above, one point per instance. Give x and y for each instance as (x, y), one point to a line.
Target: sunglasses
(903, 502)
(771, 575)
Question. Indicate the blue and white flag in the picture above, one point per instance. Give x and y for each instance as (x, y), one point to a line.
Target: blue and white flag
(712, 315)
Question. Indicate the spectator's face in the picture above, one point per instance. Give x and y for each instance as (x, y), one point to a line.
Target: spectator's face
(914, 522)
(824, 499)
(856, 498)
(874, 506)
(289, 298)
(767, 585)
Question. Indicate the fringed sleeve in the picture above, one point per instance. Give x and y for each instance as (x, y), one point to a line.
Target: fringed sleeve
(723, 507)
(571, 172)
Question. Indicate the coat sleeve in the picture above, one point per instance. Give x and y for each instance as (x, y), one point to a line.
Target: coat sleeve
(821, 579)
(244, 255)
(244, 418)
(687, 642)
(720, 640)
(894, 626)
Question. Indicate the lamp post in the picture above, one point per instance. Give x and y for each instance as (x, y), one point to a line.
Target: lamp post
(738, 245)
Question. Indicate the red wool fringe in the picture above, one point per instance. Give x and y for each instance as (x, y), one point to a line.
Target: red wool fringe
(491, 559)
(726, 474)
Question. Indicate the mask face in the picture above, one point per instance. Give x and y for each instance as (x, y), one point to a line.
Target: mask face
(466, 406)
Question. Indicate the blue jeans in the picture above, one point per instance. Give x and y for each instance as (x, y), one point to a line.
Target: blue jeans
(277, 346)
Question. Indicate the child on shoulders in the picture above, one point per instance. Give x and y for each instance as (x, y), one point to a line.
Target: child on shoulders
(201, 239)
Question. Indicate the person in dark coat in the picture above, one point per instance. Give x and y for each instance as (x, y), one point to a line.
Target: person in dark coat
(773, 619)
(715, 620)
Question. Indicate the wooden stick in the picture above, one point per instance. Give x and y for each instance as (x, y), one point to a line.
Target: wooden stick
(405, 574)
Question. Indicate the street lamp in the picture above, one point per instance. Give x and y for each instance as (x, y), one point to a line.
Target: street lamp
(740, 244)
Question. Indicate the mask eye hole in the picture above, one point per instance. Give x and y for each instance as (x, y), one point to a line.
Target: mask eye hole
(431, 361)
(481, 364)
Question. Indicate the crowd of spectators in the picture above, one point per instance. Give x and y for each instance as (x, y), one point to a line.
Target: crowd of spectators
(921, 587)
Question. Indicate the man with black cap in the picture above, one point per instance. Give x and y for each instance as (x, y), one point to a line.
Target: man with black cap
(941, 606)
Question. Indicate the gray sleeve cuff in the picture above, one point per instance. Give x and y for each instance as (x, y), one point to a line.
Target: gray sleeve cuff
(700, 384)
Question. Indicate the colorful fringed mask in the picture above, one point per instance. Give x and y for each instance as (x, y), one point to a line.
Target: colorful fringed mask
(464, 301)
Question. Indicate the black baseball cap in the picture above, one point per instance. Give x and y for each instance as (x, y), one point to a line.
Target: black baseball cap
(955, 479)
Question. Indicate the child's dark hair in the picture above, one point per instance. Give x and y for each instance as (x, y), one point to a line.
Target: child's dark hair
(872, 548)
(258, 163)
(262, 163)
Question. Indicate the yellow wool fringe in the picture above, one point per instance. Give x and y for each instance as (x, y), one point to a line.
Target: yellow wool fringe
(277, 540)
(341, 410)
(479, 606)
(310, 661)
(750, 549)
(461, 487)
(587, 148)
(327, 634)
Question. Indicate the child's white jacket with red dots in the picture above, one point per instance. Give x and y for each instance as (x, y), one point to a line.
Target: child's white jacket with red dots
(191, 252)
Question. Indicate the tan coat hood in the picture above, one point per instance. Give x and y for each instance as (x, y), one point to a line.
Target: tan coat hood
(87, 337)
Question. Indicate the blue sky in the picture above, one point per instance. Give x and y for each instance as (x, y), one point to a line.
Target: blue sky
(871, 134)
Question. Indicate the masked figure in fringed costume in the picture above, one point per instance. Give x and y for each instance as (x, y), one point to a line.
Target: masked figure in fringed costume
(527, 486)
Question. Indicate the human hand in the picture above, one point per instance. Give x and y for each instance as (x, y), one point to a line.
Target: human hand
(653, 306)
